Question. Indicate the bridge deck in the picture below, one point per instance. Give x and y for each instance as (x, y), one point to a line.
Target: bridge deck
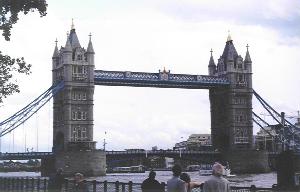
(43, 155)
(25, 156)
(162, 79)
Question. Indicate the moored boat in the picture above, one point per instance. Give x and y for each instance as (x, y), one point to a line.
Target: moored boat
(131, 169)
(206, 169)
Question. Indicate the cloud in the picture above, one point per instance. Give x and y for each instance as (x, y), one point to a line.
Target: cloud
(280, 15)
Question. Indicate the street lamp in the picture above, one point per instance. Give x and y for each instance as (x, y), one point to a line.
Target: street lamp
(104, 142)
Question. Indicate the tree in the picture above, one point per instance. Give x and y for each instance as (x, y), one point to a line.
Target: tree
(9, 11)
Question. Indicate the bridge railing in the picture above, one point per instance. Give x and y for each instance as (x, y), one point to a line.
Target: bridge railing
(154, 152)
(41, 184)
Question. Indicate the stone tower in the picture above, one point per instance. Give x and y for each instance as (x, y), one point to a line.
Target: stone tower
(73, 143)
(73, 106)
(231, 108)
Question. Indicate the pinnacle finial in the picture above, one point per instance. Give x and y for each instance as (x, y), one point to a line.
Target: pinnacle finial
(72, 26)
(229, 36)
(247, 46)
(90, 35)
(56, 42)
(211, 51)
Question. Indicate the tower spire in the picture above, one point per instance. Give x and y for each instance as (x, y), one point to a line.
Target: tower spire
(247, 57)
(73, 37)
(68, 44)
(211, 65)
(72, 26)
(55, 53)
(229, 36)
(90, 48)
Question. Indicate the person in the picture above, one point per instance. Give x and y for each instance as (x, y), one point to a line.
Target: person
(151, 184)
(216, 182)
(175, 184)
(56, 181)
(80, 185)
(188, 183)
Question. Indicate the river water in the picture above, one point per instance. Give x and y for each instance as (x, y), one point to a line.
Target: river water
(245, 180)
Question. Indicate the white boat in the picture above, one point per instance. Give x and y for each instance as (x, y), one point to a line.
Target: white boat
(132, 169)
(227, 172)
(193, 168)
(206, 169)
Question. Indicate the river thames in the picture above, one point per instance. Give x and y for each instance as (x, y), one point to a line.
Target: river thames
(246, 180)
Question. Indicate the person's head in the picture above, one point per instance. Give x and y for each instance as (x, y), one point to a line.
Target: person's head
(218, 169)
(176, 169)
(59, 171)
(185, 177)
(78, 177)
(152, 174)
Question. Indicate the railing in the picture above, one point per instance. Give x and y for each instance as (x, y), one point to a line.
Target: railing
(41, 184)
(29, 155)
(160, 79)
(157, 152)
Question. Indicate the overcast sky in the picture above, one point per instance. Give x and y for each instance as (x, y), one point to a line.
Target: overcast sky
(146, 36)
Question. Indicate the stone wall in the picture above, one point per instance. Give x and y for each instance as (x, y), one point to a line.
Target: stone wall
(247, 161)
(89, 163)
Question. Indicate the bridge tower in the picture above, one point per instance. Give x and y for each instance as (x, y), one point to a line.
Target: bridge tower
(231, 110)
(73, 143)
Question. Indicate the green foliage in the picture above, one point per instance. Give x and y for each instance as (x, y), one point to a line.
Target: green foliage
(9, 67)
(10, 9)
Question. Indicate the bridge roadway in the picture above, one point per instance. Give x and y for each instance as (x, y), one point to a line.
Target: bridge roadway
(109, 154)
(163, 79)
(112, 154)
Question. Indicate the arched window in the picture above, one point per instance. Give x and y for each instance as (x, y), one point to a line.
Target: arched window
(78, 133)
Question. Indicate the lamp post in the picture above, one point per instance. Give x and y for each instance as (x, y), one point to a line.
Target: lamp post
(104, 142)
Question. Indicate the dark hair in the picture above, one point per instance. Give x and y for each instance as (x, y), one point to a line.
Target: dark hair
(59, 170)
(185, 177)
(152, 174)
(176, 169)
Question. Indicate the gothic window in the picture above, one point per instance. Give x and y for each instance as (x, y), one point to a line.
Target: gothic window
(79, 57)
(74, 115)
(57, 61)
(79, 72)
(74, 95)
(83, 115)
(240, 78)
(79, 69)
(240, 116)
(74, 134)
(78, 133)
(83, 96)
(241, 119)
(79, 115)
(241, 136)
(78, 95)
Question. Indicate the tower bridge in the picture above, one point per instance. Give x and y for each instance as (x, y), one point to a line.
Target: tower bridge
(74, 77)
(230, 93)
